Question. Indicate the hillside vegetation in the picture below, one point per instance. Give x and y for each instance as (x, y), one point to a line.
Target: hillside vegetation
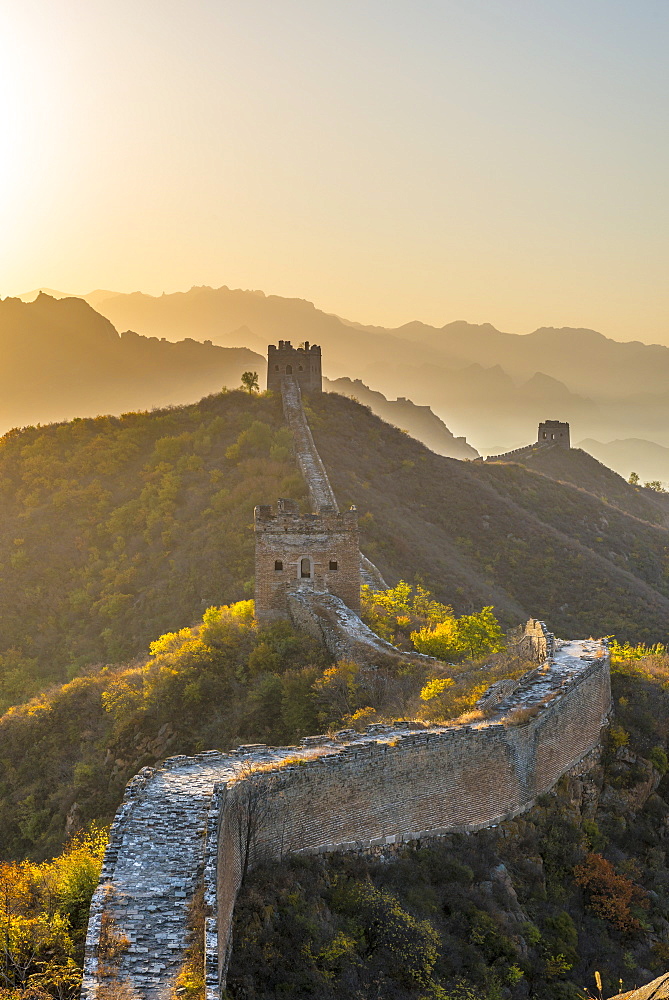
(117, 529)
(66, 756)
(418, 421)
(495, 533)
(578, 467)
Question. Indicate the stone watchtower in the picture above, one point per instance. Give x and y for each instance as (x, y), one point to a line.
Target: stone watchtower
(554, 432)
(294, 551)
(303, 363)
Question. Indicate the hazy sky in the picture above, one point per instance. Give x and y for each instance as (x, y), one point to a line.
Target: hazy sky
(489, 160)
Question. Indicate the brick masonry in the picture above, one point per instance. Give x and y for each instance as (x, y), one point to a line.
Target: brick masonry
(314, 552)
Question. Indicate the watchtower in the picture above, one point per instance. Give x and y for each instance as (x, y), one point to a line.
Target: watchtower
(303, 363)
(554, 432)
(295, 551)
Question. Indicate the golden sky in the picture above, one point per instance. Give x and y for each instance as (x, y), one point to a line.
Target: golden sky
(455, 159)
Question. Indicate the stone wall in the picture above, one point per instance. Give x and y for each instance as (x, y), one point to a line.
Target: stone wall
(345, 635)
(309, 461)
(184, 822)
(412, 786)
(321, 494)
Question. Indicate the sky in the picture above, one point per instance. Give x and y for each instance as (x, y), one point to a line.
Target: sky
(501, 162)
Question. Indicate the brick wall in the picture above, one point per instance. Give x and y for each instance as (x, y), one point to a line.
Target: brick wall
(418, 785)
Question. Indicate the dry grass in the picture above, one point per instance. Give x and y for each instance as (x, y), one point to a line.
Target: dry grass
(250, 768)
(112, 945)
(190, 983)
(522, 714)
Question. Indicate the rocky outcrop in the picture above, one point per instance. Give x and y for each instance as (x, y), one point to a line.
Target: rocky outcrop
(657, 990)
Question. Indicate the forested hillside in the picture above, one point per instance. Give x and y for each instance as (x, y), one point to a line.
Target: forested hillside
(480, 533)
(578, 467)
(116, 529)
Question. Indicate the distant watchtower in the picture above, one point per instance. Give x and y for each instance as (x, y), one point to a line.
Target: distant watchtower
(297, 551)
(554, 432)
(303, 363)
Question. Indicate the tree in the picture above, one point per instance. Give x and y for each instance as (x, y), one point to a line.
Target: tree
(250, 382)
(473, 635)
(656, 485)
(480, 634)
(634, 479)
(612, 896)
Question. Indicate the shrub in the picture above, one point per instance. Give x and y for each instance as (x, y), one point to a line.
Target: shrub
(611, 896)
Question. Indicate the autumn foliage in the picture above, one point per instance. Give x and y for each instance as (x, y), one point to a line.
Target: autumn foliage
(43, 917)
(613, 897)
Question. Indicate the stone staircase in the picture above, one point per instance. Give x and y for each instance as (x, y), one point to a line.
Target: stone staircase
(321, 494)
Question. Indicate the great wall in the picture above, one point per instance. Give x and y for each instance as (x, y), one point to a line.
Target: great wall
(200, 821)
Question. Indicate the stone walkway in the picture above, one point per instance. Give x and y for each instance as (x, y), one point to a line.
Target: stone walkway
(158, 864)
(315, 475)
(321, 493)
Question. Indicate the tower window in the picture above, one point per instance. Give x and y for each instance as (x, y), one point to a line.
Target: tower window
(333, 564)
(289, 369)
(305, 569)
(278, 564)
(300, 368)
(276, 368)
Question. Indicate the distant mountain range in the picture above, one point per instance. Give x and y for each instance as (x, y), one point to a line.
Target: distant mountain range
(60, 359)
(418, 421)
(649, 460)
(489, 386)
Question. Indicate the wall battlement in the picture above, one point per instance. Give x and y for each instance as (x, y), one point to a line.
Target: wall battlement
(551, 434)
(301, 363)
(296, 552)
(554, 432)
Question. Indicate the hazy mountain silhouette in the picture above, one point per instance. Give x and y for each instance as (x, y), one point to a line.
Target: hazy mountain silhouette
(489, 385)
(419, 421)
(93, 298)
(647, 459)
(493, 387)
(60, 358)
